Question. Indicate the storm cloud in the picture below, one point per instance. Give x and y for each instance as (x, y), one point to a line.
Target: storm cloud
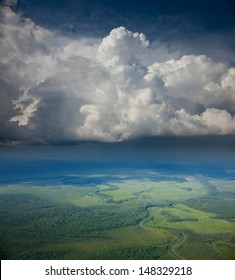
(58, 88)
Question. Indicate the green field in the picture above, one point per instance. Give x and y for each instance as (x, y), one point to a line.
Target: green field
(124, 219)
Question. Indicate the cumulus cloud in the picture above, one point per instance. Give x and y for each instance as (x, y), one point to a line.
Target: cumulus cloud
(115, 88)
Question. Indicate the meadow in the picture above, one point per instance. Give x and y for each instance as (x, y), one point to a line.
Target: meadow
(121, 214)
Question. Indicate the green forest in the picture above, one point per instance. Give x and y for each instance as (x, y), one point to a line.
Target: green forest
(189, 218)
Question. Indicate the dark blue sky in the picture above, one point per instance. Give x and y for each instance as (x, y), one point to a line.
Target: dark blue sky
(205, 15)
(221, 12)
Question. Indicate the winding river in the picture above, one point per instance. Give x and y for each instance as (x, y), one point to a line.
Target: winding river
(173, 244)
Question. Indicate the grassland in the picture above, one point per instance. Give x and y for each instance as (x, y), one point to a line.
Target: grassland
(121, 218)
(225, 249)
(163, 190)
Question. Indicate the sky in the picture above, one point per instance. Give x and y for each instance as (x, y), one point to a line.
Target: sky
(113, 71)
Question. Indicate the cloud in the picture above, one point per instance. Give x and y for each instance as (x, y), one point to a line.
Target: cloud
(55, 88)
(10, 3)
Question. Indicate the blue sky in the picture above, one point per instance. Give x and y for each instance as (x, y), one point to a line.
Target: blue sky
(111, 71)
(208, 15)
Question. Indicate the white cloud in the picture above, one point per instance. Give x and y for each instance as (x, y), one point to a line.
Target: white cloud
(228, 80)
(121, 47)
(189, 72)
(55, 88)
(10, 3)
